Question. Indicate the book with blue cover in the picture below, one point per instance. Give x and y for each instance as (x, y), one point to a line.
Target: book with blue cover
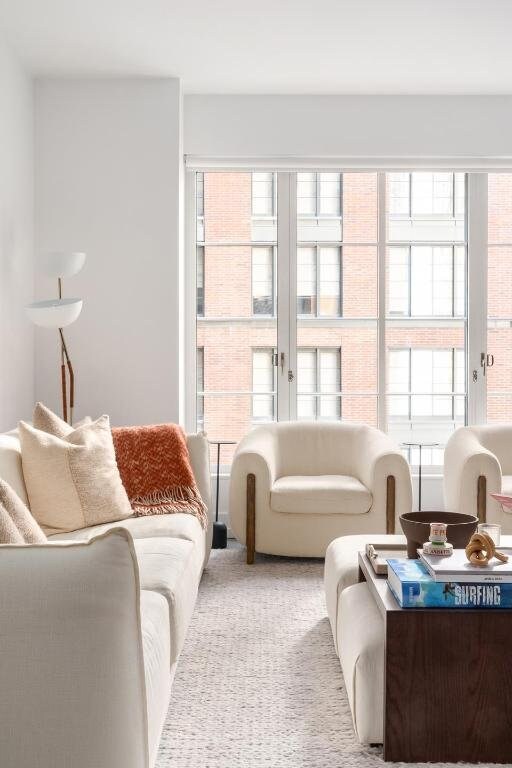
(414, 587)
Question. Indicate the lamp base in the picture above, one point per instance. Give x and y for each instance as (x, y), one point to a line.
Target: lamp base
(220, 536)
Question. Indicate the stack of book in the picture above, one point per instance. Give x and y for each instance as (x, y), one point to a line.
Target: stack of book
(450, 582)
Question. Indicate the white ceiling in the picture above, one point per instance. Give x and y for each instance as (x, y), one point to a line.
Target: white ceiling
(273, 46)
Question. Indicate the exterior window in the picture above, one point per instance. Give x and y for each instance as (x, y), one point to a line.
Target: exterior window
(319, 281)
(426, 194)
(319, 195)
(200, 387)
(263, 195)
(200, 207)
(426, 280)
(200, 280)
(319, 384)
(263, 280)
(263, 385)
(429, 379)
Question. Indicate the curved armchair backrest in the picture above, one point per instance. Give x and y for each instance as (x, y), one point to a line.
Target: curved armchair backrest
(318, 448)
(497, 438)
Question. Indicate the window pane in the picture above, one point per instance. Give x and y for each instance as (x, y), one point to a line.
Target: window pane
(399, 194)
(306, 194)
(330, 381)
(306, 281)
(319, 206)
(199, 207)
(200, 280)
(330, 194)
(263, 381)
(306, 382)
(437, 207)
(330, 281)
(237, 329)
(263, 280)
(398, 280)
(262, 194)
(200, 387)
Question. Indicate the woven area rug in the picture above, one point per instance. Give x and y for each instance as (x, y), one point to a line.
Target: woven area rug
(258, 684)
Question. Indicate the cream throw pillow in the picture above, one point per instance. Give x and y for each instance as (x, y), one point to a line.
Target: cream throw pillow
(73, 482)
(49, 422)
(9, 534)
(20, 515)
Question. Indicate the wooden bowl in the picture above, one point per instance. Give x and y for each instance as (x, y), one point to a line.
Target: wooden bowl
(416, 526)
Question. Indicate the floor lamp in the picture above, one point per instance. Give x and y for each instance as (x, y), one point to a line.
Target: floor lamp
(59, 313)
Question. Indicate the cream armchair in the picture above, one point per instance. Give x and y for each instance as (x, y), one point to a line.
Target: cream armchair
(296, 486)
(478, 462)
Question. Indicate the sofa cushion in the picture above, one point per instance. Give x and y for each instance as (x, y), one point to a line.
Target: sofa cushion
(20, 515)
(10, 463)
(320, 494)
(172, 568)
(361, 651)
(342, 568)
(73, 482)
(178, 526)
(154, 612)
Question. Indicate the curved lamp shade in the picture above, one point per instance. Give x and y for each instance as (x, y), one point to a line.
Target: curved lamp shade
(62, 263)
(54, 313)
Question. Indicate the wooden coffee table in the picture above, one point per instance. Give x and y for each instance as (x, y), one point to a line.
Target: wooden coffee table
(448, 680)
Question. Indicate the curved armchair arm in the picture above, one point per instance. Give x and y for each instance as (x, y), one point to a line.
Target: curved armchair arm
(255, 455)
(465, 461)
(377, 459)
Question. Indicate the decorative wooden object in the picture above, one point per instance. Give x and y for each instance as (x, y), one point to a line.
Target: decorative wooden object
(481, 549)
(250, 522)
(390, 503)
(481, 496)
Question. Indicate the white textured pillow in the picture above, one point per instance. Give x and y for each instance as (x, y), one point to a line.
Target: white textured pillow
(73, 482)
(48, 421)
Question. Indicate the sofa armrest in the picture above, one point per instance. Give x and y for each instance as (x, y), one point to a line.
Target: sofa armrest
(376, 459)
(465, 460)
(199, 452)
(71, 659)
(256, 454)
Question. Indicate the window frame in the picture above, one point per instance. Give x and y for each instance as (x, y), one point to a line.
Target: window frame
(317, 394)
(475, 292)
(318, 199)
(316, 246)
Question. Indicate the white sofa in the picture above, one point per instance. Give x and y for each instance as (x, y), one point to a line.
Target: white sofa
(296, 486)
(91, 628)
(478, 462)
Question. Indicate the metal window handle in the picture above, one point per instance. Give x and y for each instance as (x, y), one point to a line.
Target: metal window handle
(282, 362)
(486, 361)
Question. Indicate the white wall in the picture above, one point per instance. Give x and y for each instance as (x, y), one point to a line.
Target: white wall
(108, 181)
(16, 242)
(348, 126)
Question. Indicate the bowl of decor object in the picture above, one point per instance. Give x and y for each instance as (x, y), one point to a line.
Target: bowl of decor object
(416, 527)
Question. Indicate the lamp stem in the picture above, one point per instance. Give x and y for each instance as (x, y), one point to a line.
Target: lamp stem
(66, 360)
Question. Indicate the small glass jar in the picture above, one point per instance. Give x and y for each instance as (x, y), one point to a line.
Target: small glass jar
(492, 530)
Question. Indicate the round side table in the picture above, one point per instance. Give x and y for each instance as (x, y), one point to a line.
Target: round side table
(419, 445)
(220, 530)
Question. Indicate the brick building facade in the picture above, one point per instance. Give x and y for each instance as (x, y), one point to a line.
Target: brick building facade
(234, 338)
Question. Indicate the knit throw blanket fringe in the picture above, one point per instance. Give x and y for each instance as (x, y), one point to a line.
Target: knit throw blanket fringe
(155, 468)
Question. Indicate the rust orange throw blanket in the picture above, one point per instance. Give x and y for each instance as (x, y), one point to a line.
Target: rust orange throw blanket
(155, 468)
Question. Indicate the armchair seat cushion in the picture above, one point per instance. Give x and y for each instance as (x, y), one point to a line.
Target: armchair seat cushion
(320, 494)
